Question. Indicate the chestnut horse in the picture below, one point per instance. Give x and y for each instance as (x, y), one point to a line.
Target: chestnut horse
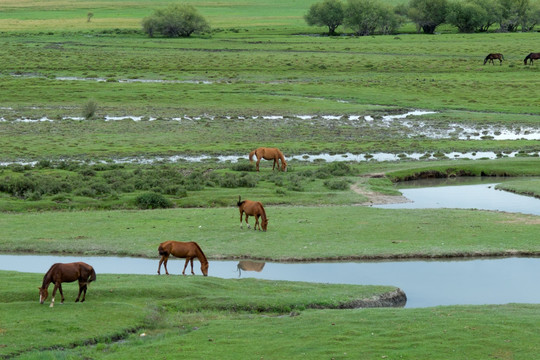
(269, 154)
(494, 56)
(531, 57)
(252, 208)
(188, 250)
(59, 273)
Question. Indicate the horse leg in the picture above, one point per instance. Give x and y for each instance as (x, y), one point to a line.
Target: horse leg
(185, 266)
(241, 214)
(257, 164)
(257, 223)
(56, 286)
(165, 265)
(248, 226)
(159, 266)
(82, 289)
(192, 272)
(274, 166)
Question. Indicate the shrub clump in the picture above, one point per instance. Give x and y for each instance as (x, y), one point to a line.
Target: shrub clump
(175, 21)
(152, 201)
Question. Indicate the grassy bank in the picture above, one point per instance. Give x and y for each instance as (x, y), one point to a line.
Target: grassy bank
(118, 305)
(151, 317)
(294, 233)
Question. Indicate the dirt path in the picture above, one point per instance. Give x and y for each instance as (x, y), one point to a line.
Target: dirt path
(375, 198)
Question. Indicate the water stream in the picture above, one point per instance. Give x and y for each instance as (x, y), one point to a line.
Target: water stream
(426, 283)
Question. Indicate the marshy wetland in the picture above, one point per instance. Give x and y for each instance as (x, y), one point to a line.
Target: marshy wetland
(99, 124)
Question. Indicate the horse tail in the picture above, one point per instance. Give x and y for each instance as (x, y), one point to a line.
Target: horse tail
(251, 154)
(527, 58)
(240, 202)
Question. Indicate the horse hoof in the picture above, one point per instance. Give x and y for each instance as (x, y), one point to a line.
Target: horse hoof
(52, 305)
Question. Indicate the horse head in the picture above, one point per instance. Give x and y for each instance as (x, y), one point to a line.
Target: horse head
(204, 268)
(264, 223)
(43, 294)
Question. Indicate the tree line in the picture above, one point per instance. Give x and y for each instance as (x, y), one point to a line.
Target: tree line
(368, 17)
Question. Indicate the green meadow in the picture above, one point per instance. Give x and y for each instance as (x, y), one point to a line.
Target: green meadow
(260, 77)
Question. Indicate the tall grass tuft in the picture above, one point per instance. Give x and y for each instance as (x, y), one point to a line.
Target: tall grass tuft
(89, 110)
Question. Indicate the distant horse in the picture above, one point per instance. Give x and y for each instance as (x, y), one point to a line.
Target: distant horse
(494, 56)
(248, 265)
(531, 57)
(59, 273)
(187, 250)
(269, 154)
(252, 208)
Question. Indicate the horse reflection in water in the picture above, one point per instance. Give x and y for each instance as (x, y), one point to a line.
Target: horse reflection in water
(252, 208)
(269, 154)
(248, 265)
(59, 273)
(187, 250)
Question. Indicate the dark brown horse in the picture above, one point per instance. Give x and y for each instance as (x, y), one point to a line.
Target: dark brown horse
(494, 56)
(531, 57)
(187, 250)
(59, 273)
(269, 154)
(253, 208)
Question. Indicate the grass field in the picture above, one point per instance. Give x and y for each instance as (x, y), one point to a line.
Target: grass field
(260, 77)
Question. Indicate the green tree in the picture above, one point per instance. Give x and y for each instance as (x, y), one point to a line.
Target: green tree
(531, 18)
(428, 14)
(330, 13)
(175, 21)
(363, 16)
(513, 14)
(466, 16)
(493, 11)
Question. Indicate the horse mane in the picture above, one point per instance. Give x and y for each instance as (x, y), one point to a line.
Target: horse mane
(202, 252)
(263, 212)
(47, 278)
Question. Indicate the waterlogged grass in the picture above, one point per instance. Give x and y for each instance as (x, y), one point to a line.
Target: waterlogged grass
(117, 305)
(294, 233)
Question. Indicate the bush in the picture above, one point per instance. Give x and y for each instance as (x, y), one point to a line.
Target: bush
(337, 184)
(175, 21)
(89, 110)
(152, 201)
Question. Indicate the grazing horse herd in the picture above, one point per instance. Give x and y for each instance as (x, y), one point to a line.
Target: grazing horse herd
(497, 56)
(83, 273)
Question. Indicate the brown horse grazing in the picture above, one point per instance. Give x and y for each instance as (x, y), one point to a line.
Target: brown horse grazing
(252, 208)
(59, 273)
(531, 57)
(494, 56)
(269, 154)
(188, 250)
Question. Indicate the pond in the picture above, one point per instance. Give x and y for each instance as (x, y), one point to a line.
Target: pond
(426, 283)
